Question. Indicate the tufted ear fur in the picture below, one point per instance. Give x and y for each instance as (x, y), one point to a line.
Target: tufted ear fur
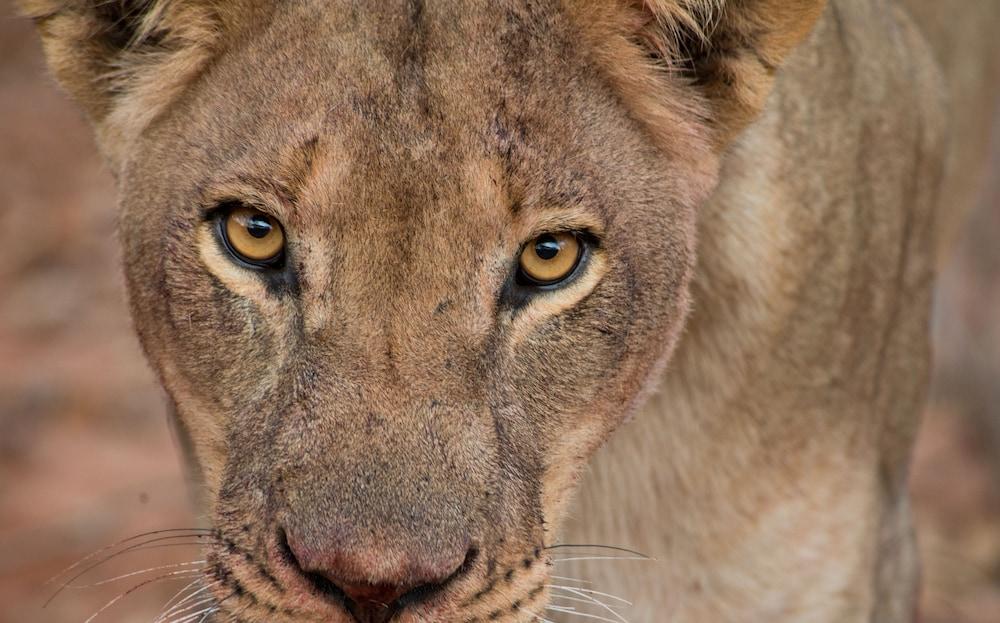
(728, 50)
(125, 60)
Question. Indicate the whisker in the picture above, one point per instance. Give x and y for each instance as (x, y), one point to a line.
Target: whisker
(613, 548)
(591, 592)
(575, 612)
(216, 608)
(598, 602)
(208, 614)
(589, 596)
(177, 595)
(559, 560)
(568, 579)
(128, 549)
(180, 605)
(135, 573)
(164, 577)
(119, 544)
(197, 604)
(193, 616)
(574, 599)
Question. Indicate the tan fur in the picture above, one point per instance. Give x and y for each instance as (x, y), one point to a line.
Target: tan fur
(768, 476)
(761, 178)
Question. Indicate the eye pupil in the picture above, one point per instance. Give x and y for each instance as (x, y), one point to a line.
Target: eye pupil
(547, 247)
(258, 227)
(549, 258)
(252, 236)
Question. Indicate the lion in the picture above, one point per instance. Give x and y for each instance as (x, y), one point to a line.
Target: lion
(403, 267)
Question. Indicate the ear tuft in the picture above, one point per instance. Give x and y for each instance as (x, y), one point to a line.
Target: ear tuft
(730, 49)
(125, 60)
(727, 50)
(676, 27)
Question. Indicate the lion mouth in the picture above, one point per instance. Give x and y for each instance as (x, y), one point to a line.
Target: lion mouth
(242, 578)
(240, 584)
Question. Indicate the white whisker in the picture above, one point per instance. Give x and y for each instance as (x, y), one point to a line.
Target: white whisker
(559, 560)
(575, 612)
(567, 579)
(573, 599)
(208, 614)
(135, 573)
(162, 578)
(193, 616)
(170, 602)
(195, 533)
(592, 546)
(145, 545)
(598, 602)
(591, 592)
(180, 604)
(186, 610)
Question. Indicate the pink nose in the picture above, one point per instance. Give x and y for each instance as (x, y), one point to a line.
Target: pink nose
(377, 582)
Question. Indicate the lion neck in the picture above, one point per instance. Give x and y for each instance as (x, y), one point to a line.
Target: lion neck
(768, 475)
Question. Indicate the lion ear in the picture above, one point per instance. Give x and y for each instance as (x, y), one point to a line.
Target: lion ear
(712, 60)
(729, 49)
(124, 60)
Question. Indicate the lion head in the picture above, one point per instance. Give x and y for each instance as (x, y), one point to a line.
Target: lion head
(402, 266)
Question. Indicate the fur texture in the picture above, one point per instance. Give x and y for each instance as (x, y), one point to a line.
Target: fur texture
(389, 405)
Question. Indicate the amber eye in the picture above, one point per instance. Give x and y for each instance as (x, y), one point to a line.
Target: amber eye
(550, 258)
(252, 236)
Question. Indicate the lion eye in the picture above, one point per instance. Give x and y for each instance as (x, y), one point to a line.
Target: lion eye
(550, 258)
(253, 237)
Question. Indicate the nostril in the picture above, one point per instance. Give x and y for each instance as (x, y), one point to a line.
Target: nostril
(284, 549)
(374, 585)
(372, 599)
(371, 603)
(320, 583)
(425, 591)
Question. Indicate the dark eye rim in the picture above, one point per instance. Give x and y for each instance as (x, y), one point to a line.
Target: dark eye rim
(218, 217)
(586, 243)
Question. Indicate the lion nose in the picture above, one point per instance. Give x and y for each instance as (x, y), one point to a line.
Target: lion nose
(377, 582)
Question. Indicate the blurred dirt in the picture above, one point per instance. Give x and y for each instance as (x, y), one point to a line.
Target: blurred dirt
(85, 454)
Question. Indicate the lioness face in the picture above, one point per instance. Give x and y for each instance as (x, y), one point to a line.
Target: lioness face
(390, 416)
(403, 266)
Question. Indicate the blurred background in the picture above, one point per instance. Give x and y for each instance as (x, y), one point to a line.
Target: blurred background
(86, 457)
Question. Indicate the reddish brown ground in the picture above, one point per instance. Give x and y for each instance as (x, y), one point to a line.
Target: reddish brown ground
(85, 453)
